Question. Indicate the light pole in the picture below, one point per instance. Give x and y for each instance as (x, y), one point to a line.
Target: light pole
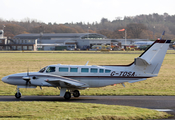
(153, 31)
(88, 32)
(125, 36)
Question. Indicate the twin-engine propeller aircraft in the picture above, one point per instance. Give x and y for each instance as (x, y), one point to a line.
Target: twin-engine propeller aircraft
(72, 78)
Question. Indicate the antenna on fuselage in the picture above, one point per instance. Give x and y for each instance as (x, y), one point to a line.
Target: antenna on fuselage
(87, 63)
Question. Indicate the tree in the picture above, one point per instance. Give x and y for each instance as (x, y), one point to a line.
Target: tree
(134, 30)
(104, 20)
(12, 29)
(107, 33)
(38, 29)
(147, 34)
(140, 26)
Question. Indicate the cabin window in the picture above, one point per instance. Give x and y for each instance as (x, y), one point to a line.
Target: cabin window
(101, 71)
(94, 70)
(73, 69)
(107, 71)
(84, 69)
(63, 69)
(50, 69)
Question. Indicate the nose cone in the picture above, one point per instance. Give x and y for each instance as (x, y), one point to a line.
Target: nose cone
(4, 79)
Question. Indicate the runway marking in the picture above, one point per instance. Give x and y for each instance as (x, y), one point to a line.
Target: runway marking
(163, 110)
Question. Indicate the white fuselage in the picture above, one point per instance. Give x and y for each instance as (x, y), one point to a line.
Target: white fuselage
(93, 76)
(98, 76)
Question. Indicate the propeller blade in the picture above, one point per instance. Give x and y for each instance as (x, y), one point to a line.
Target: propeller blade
(27, 78)
(28, 82)
(27, 71)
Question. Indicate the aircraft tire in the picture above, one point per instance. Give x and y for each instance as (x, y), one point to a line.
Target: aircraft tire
(18, 95)
(76, 93)
(67, 95)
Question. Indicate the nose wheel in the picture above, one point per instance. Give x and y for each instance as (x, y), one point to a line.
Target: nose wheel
(18, 94)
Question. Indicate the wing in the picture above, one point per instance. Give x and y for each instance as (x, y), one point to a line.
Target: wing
(137, 80)
(67, 82)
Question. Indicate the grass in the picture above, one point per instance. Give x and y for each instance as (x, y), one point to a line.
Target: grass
(11, 63)
(66, 111)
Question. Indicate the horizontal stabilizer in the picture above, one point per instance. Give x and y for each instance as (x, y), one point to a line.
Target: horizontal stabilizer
(141, 62)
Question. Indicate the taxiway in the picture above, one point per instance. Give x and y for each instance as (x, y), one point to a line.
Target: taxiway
(160, 103)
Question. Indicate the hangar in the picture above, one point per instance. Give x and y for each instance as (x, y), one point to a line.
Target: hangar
(58, 41)
(52, 41)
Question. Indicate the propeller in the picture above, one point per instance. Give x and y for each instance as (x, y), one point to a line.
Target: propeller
(27, 78)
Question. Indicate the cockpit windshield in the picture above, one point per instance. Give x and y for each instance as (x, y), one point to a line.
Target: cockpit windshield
(50, 69)
(43, 69)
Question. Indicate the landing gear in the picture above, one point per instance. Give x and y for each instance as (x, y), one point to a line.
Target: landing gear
(67, 95)
(76, 93)
(18, 94)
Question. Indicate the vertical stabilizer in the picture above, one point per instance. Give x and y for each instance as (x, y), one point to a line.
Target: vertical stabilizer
(151, 60)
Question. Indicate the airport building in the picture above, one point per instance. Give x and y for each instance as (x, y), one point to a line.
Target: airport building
(57, 41)
(13, 44)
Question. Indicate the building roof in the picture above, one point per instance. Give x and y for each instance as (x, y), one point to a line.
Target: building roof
(60, 35)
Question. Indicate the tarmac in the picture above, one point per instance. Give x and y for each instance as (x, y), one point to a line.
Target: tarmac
(159, 103)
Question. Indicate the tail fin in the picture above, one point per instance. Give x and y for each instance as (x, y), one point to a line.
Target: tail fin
(162, 35)
(151, 60)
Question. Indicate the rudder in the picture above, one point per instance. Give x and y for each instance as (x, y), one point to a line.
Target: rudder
(151, 60)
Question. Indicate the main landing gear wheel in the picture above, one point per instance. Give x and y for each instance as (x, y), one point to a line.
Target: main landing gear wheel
(67, 95)
(18, 95)
(76, 93)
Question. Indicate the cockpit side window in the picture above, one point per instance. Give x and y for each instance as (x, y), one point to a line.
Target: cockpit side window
(50, 69)
(43, 69)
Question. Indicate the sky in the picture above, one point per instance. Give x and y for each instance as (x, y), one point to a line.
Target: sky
(68, 11)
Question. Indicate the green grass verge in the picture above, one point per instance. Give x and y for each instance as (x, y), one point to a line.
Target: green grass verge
(11, 63)
(66, 111)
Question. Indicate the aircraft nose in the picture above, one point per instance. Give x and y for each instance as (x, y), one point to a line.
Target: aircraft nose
(4, 79)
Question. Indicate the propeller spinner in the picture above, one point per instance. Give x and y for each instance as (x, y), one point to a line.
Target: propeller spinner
(27, 79)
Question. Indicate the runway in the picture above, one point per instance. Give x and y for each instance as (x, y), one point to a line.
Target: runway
(167, 103)
(151, 102)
